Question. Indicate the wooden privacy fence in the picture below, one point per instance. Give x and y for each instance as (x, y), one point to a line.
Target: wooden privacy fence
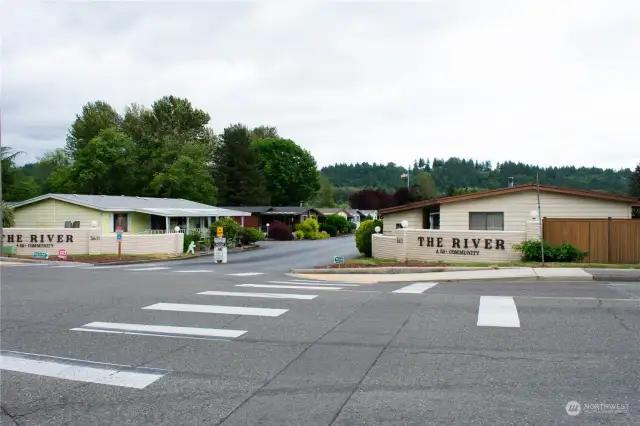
(606, 240)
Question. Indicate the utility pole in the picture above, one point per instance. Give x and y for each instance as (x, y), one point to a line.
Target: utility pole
(540, 217)
(408, 174)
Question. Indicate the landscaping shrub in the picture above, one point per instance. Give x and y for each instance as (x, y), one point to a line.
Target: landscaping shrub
(309, 227)
(191, 236)
(329, 229)
(532, 252)
(280, 231)
(299, 235)
(363, 236)
(339, 222)
(352, 226)
(251, 235)
(231, 230)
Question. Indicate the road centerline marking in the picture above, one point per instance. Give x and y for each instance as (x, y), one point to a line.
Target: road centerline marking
(498, 311)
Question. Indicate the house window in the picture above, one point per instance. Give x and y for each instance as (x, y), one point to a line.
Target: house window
(490, 221)
(121, 219)
(398, 226)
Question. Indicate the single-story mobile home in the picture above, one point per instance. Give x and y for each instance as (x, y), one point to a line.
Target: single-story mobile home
(137, 215)
(506, 209)
(486, 226)
(260, 216)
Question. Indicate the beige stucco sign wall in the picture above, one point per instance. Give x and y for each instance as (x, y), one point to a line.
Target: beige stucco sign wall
(88, 241)
(450, 246)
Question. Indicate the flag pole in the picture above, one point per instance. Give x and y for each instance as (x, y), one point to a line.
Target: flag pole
(540, 217)
(408, 170)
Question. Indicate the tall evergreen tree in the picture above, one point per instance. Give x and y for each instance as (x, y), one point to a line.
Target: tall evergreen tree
(634, 182)
(237, 169)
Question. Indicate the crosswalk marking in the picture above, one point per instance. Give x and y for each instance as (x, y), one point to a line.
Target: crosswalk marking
(312, 283)
(80, 371)
(246, 274)
(416, 288)
(159, 330)
(215, 309)
(155, 268)
(265, 295)
(297, 287)
(498, 311)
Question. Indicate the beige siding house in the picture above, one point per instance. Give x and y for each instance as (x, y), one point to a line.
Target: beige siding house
(506, 209)
(138, 215)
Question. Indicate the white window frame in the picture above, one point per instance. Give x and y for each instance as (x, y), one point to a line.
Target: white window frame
(486, 221)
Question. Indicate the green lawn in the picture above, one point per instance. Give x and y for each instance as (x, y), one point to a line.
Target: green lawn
(382, 262)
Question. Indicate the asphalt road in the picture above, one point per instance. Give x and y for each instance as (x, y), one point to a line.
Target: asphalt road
(361, 354)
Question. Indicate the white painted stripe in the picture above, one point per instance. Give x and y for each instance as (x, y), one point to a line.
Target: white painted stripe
(319, 283)
(247, 274)
(67, 266)
(80, 371)
(159, 330)
(193, 271)
(297, 287)
(498, 311)
(215, 309)
(265, 295)
(155, 268)
(416, 288)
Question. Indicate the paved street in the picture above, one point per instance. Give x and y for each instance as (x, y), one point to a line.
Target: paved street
(245, 344)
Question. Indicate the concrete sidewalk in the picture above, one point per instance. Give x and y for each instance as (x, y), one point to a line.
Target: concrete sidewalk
(533, 274)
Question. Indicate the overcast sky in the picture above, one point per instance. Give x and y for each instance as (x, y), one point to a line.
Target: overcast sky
(547, 82)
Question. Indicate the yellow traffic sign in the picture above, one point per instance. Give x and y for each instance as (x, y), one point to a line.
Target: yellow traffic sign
(219, 230)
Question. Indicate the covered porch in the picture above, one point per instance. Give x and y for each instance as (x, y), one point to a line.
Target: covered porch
(185, 221)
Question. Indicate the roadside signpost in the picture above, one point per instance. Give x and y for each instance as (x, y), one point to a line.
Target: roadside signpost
(119, 231)
(40, 255)
(62, 254)
(338, 260)
(220, 247)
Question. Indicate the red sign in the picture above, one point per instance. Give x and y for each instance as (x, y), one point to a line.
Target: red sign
(62, 254)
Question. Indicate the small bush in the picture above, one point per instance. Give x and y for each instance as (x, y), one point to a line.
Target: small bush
(363, 236)
(352, 226)
(231, 230)
(339, 222)
(322, 235)
(280, 231)
(251, 235)
(532, 252)
(299, 235)
(329, 229)
(309, 227)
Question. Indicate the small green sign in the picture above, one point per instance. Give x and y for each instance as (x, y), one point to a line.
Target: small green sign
(338, 260)
(40, 255)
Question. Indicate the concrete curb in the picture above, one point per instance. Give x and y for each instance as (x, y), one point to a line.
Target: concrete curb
(470, 280)
(46, 262)
(395, 270)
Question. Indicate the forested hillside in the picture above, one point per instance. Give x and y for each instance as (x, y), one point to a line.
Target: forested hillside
(469, 173)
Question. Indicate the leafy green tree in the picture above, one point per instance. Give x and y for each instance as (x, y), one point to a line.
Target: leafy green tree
(325, 196)
(95, 117)
(237, 169)
(105, 165)
(8, 218)
(188, 177)
(425, 187)
(264, 132)
(231, 230)
(291, 172)
(16, 184)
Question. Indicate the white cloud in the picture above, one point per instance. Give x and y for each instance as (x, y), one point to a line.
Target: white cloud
(542, 82)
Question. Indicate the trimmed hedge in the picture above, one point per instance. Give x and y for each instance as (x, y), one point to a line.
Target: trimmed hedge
(363, 236)
(251, 235)
(231, 229)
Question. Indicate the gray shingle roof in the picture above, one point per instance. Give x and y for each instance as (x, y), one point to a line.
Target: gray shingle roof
(159, 206)
(250, 209)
